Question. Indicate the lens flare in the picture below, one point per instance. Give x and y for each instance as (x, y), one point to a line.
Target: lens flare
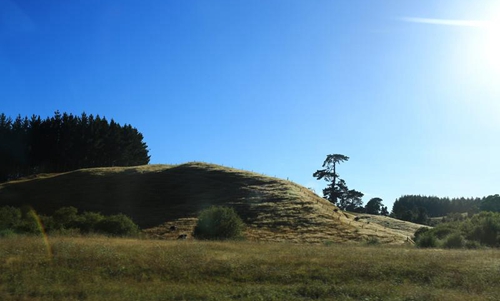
(41, 228)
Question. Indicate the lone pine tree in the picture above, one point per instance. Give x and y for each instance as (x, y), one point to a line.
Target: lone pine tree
(337, 191)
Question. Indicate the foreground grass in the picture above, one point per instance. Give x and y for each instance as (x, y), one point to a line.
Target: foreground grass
(125, 269)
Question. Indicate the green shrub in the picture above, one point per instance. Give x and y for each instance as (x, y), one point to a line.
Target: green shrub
(482, 229)
(219, 223)
(472, 244)
(65, 218)
(444, 230)
(454, 241)
(49, 225)
(486, 229)
(328, 243)
(29, 222)
(372, 241)
(7, 233)
(88, 221)
(419, 232)
(10, 217)
(119, 225)
(65, 221)
(426, 240)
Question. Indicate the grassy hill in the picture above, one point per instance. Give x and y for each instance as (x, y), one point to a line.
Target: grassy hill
(158, 196)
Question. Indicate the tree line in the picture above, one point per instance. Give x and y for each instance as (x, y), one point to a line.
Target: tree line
(413, 208)
(418, 208)
(66, 142)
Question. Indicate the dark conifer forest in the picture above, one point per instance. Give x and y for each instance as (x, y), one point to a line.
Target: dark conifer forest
(418, 208)
(66, 142)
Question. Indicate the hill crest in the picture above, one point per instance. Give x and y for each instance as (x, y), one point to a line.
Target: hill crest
(153, 195)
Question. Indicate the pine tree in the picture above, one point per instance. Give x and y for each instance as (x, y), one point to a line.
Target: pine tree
(66, 142)
(337, 191)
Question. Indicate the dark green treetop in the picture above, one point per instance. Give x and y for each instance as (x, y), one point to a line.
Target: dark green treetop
(337, 191)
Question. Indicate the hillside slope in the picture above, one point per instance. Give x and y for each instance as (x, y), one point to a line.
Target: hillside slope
(153, 195)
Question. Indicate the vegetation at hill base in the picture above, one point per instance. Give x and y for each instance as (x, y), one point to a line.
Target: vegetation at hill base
(219, 223)
(94, 268)
(480, 230)
(65, 220)
(65, 142)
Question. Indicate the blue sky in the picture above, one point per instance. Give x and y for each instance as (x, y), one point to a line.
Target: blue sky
(409, 90)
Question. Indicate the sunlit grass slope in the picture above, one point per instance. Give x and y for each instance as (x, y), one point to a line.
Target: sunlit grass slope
(126, 269)
(153, 195)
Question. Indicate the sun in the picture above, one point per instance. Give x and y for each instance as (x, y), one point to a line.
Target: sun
(492, 44)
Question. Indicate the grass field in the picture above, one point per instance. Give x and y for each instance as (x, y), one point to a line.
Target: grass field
(98, 268)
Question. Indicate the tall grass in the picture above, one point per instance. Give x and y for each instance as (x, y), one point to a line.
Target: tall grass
(98, 268)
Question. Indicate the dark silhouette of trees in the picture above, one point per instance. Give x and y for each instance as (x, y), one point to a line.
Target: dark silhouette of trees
(491, 203)
(374, 206)
(333, 191)
(417, 208)
(66, 142)
(337, 191)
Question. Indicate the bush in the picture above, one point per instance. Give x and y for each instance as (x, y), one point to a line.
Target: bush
(426, 240)
(10, 217)
(482, 229)
(486, 229)
(420, 231)
(219, 223)
(88, 221)
(372, 241)
(65, 218)
(444, 230)
(119, 225)
(29, 222)
(454, 241)
(472, 244)
(7, 233)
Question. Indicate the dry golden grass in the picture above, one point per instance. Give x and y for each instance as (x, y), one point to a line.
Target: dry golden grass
(98, 268)
(274, 209)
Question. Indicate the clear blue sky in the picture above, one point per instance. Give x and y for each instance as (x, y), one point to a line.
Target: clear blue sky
(409, 90)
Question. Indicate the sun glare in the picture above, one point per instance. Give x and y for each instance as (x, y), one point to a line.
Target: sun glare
(492, 45)
(474, 66)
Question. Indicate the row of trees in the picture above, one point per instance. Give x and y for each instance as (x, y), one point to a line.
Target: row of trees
(66, 142)
(418, 208)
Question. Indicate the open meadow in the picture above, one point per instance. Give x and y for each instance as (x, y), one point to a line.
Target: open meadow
(100, 268)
